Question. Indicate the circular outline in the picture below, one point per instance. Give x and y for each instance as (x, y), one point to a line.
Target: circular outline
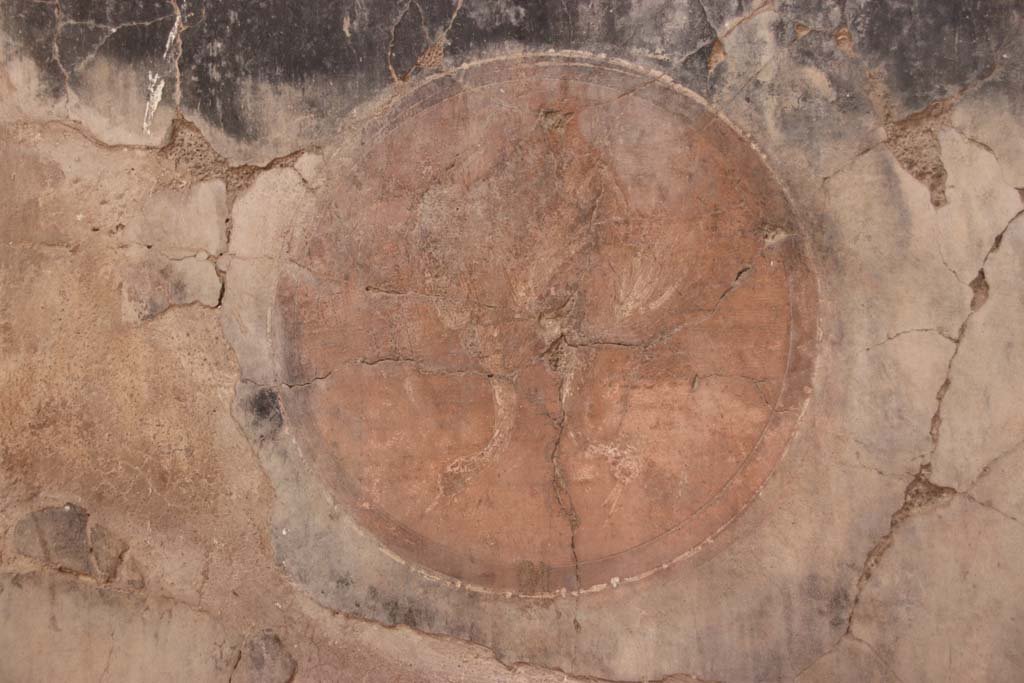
(778, 429)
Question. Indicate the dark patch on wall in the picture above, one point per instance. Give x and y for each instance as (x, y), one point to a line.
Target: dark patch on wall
(266, 411)
(32, 27)
(232, 45)
(333, 54)
(839, 605)
(77, 42)
(819, 50)
(530, 22)
(409, 39)
(336, 53)
(675, 37)
(719, 12)
(113, 12)
(404, 612)
(142, 45)
(57, 536)
(726, 74)
(61, 38)
(346, 48)
(931, 49)
(820, 15)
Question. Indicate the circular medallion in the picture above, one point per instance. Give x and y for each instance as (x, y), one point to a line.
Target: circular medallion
(562, 322)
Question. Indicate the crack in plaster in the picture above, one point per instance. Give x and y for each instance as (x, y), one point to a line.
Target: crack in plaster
(58, 15)
(920, 492)
(515, 666)
(913, 139)
(768, 6)
(391, 42)
(172, 59)
(866, 644)
(663, 336)
(256, 444)
(987, 469)
(195, 160)
(432, 56)
(922, 474)
(111, 30)
(174, 39)
(563, 496)
(914, 330)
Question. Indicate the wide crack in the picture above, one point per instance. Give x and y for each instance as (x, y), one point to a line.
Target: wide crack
(556, 356)
(921, 492)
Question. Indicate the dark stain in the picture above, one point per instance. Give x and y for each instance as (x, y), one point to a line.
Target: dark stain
(839, 607)
(115, 12)
(304, 44)
(264, 657)
(57, 536)
(533, 577)
(77, 42)
(395, 611)
(141, 45)
(60, 38)
(410, 38)
(403, 612)
(979, 289)
(531, 23)
(822, 15)
(178, 289)
(813, 111)
(266, 410)
(336, 53)
(833, 601)
(32, 27)
(153, 309)
(931, 49)
(782, 31)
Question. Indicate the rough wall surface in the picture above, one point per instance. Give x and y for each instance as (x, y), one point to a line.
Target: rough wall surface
(508, 340)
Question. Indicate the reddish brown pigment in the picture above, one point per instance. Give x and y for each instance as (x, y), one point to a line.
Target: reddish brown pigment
(562, 322)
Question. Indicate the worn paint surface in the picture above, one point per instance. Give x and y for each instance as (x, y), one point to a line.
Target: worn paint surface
(557, 348)
(507, 340)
